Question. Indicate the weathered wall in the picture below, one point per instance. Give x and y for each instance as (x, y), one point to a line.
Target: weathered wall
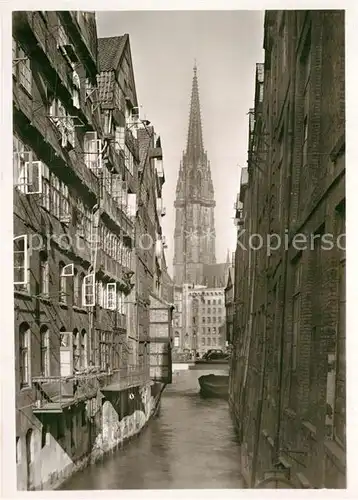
(87, 433)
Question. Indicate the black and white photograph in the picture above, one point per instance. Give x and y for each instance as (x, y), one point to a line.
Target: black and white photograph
(179, 249)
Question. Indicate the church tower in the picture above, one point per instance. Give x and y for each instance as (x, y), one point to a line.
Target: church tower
(194, 236)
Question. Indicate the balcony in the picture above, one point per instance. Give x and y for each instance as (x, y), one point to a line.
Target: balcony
(116, 214)
(111, 268)
(55, 394)
(24, 106)
(126, 378)
(117, 319)
(84, 32)
(33, 32)
(115, 156)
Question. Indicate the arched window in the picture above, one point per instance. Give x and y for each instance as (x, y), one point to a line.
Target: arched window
(45, 351)
(76, 350)
(30, 451)
(76, 288)
(62, 285)
(18, 450)
(44, 274)
(24, 348)
(84, 349)
(82, 275)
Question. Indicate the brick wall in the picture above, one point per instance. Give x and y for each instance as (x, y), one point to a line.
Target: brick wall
(297, 188)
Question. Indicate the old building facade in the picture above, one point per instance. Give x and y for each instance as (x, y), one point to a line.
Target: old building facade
(76, 163)
(287, 383)
(199, 319)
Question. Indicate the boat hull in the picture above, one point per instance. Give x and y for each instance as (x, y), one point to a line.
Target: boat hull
(216, 386)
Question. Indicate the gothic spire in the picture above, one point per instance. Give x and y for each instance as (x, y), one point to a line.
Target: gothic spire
(195, 148)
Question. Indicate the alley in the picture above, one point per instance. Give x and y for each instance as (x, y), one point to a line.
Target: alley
(190, 444)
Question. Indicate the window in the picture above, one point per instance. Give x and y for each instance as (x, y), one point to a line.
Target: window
(202, 340)
(46, 190)
(30, 447)
(76, 350)
(84, 349)
(76, 288)
(219, 319)
(203, 320)
(27, 171)
(209, 310)
(128, 160)
(176, 339)
(45, 351)
(340, 392)
(24, 347)
(21, 263)
(22, 68)
(18, 450)
(119, 138)
(92, 151)
(208, 341)
(43, 435)
(209, 302)
(83, 417)
(63, 284)
(214, 329)
(209, 329)
(111, 296)
(88, 290)
(214, 319)
(76, 89)
(44, 275)
(214, 310)
(209, 320)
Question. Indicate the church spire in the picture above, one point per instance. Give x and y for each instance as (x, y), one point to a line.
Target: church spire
(194, 148)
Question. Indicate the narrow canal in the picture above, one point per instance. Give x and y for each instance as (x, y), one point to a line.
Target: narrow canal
(191, 443)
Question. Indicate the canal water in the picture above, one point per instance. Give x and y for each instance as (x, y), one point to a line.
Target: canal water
(191, 443)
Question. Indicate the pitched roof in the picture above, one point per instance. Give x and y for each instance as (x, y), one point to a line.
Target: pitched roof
(110, 50)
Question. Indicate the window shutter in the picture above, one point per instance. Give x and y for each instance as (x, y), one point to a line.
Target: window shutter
(20, 260)
(132, 204)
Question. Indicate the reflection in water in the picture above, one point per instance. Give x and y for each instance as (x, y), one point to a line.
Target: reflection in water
(190, 444)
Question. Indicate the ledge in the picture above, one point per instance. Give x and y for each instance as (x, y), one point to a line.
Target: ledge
(79, 309)
(304, 482)
(310, 428)
(336, 453)
(22, 295)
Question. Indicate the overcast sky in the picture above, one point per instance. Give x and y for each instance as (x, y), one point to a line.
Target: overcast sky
(226, 45)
